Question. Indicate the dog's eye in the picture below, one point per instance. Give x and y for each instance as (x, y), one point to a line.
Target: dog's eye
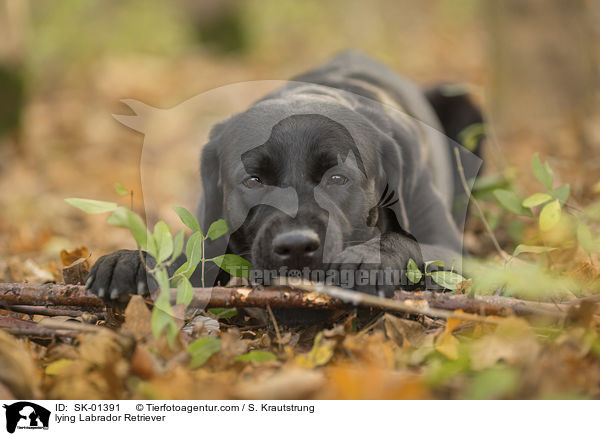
(252, 182)
(337, 179)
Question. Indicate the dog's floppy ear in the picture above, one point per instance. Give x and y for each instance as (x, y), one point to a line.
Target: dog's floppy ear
(210, 208)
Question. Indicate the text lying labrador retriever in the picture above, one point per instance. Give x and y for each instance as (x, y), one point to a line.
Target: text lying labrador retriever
(342, 175)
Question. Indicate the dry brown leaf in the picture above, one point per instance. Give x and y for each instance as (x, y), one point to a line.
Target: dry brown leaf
(98, 374)
(143, 363)
(513, 342)
(138, 318)
(18, 371)
(373, 349)
(67, 258)
(232, 345)
(403, 331)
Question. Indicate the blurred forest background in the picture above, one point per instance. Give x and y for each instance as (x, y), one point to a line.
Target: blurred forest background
(65, 66)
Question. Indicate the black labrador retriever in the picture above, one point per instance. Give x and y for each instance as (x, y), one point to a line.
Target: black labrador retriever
(342, 175)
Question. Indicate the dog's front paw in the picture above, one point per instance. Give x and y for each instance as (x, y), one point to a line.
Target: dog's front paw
(116, 276)
(369, 269)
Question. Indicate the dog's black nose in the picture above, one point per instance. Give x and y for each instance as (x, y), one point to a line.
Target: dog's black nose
(296, 245)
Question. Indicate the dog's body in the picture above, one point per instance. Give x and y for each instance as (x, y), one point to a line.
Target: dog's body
(344, 169)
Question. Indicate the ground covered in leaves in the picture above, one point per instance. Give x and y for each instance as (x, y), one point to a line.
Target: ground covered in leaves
(361, 356)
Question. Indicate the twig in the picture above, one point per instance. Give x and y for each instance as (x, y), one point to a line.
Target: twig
(461, 172)
(277, 334)
(361, 299)
(51, 311)
(70, 325)
(23, 327)
(40, 332)
(301, 295)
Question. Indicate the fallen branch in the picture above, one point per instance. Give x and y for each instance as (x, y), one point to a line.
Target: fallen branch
(301, 296)
(52, 311)
(22, 327)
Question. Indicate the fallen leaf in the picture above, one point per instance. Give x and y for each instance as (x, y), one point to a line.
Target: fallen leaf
(320, 354)
(256, 356)
(18, 371)
(142, 363)
(138, 318)
(201, 350)
(403, 331)
(58, 366)
(67, 258)
(513, 342)
(446, 343)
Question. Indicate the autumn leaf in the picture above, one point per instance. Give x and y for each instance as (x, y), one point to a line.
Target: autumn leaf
(550, 216)
(320, 354)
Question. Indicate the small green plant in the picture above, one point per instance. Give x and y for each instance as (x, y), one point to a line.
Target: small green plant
(561, 226)
(446, 279)
(166, 248)
(550, 203)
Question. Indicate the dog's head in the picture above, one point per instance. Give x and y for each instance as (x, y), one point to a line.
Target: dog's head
(301, 180)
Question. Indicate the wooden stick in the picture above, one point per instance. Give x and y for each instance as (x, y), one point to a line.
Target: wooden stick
(52, 311)
(302, 296)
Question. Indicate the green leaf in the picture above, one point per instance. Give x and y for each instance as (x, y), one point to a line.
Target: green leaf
(193, 251)
(522, 248)
(235, 265)
(224, 313)
(413, 273)
(185, 292)
(585, 239)
(447, 279)
(187, 218)
(162, 318)
(120, 189)
(562, 192)
(183, 270)
(164, 241)
(201, 350)
(217, 229)
(511, 201)
(162, 277)
(536, 199)
(550, 216)
(256, 356)
(178, 242)
(493, 383)
(123, 217)
(434, 262)
(92, 206)
(542, 172)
